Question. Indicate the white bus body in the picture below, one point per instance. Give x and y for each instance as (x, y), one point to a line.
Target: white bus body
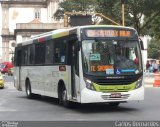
(68, 80)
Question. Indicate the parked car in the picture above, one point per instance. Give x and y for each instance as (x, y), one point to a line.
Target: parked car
(5, 67)
(1, 81)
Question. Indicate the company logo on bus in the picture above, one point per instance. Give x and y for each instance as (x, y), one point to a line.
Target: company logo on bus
(62, 68)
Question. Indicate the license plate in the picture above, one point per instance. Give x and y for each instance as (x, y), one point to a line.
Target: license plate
(115, 95)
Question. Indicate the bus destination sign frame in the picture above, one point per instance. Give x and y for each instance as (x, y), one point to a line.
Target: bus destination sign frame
(91, 33)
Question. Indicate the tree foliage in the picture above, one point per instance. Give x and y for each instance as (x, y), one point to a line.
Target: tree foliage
(152, 14)
(135, 11)
(80, 5)
(109, 8)
(75, 6)
(154, 49)
(143, 15)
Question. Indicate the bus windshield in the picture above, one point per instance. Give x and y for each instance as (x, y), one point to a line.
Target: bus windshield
(110, 57)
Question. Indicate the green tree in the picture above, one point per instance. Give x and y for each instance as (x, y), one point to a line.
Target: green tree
(151, 19)
(111, 9)
(75, 6)
(153, 26)
(135, 12)
(154, 49)
(143, 15)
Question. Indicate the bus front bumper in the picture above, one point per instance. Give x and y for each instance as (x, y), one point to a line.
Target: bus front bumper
(89, 96)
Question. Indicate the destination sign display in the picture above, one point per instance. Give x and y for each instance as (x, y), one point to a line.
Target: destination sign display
(108, 33)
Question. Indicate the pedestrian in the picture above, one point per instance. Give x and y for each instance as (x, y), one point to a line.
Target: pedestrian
(151, 66)
(148, 65)
(159, 66)
(155, 66)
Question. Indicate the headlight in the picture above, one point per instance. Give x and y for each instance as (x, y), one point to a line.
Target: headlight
(89, 84)
(139, 83)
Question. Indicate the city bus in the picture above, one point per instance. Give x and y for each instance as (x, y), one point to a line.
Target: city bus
(84, 64)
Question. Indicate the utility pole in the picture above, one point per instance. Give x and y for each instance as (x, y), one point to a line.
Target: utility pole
(123, 12)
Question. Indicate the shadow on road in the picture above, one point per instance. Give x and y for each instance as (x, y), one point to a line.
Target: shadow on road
(85, 108)
(45, 99)
(102, 108)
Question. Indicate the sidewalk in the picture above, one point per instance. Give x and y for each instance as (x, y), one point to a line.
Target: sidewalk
(148, 81)
(9, 85)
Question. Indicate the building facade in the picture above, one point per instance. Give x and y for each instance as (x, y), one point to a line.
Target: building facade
(22, 19)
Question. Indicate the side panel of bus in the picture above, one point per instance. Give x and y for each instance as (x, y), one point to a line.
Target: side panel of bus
(42, 65)
(35, 76)
(52, 76)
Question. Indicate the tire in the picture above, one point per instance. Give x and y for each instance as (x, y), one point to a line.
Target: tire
(63, 98)
(2, 87)
(114, 104)
(29, 93)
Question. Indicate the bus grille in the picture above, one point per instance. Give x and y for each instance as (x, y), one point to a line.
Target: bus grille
(115, 81)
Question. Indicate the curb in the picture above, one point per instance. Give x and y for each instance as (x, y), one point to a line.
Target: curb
(148, 86)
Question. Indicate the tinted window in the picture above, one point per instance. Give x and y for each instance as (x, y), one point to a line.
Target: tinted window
(24, 56)
(39, 53)
(49, 52)
(60, 51)
(31, 54)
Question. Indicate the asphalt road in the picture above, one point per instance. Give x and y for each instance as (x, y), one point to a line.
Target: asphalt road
(14, 106)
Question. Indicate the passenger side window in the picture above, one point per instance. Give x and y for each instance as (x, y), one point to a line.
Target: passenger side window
(60, 51)
(40, 53)
(31, 49)
(18, 57)
(49, 52)
(24, 56)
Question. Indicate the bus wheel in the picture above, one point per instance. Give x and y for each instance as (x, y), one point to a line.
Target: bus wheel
(28, 90)
(114, 104)
(63, 97)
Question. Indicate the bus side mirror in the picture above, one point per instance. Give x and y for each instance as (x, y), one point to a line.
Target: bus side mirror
(141, 44)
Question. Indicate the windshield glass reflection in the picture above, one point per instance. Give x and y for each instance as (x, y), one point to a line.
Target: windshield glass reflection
(104, 57)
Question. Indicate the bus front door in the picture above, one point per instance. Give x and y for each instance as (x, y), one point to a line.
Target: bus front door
(74, 70)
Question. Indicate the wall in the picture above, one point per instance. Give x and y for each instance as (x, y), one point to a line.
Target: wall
(0, 34)
(24, 15)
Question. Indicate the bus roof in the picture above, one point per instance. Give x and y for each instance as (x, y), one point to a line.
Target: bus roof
(63, 32)
(114, 26)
